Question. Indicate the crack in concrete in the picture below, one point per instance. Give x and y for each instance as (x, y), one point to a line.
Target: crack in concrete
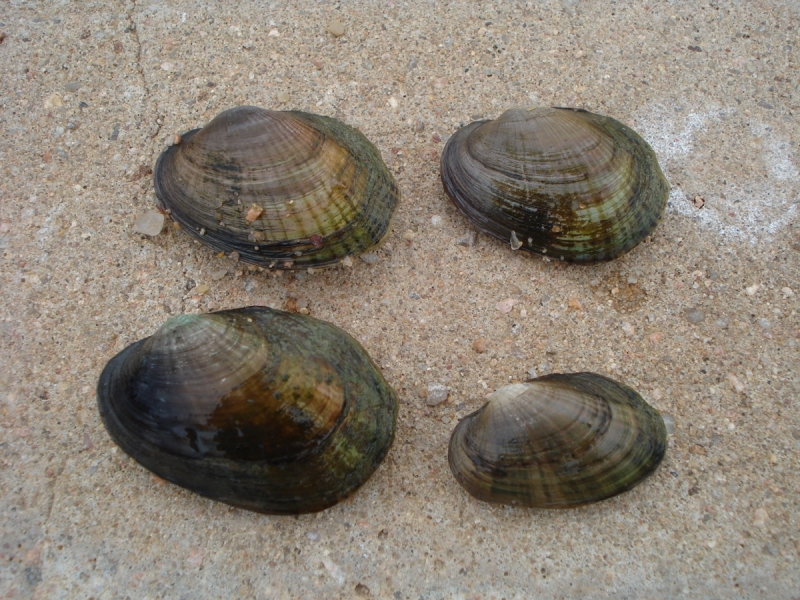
(154, 129)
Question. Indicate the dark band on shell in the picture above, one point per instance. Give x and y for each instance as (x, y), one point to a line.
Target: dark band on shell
(265, 410)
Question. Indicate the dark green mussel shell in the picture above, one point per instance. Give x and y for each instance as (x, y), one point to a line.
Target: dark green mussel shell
(559, 441)
(284, 189)
(261, 409)
(562, 182)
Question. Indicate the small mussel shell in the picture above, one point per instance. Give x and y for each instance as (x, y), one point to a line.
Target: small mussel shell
(265, 410)
(284, 189)
(559, 441)
(561, 182)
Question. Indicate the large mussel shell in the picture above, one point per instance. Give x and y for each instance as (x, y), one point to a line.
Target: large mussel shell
(562, 182)
(265, 410)
(559, 441)
(284, 189)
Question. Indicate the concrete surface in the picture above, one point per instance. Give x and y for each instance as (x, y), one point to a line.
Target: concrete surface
(702, 318)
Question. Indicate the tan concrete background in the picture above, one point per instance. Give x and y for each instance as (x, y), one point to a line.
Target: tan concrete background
(91, 92)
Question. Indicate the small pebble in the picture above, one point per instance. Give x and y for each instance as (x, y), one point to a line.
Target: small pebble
(217, 275)
(370, 258)
(694, 315)
(505, 306)
(53, 101)
(479, 345)
(150, 223)
(283, 97)
(628, 329)
(201, 289)
(336, 28)
(254, 212)
(669, 423)
(787, 292)
(393, 102)
(574, 304)
(437, 393)
(347, 261)
(751, 290)
(436, 220)
(697, 449)
(760, 517)
(176, 139)
(469, 239)
(737, 385)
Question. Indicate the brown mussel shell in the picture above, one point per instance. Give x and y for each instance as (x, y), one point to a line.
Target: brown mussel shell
(562, 182)
(284, 189)
(559, 441)
(261, 409)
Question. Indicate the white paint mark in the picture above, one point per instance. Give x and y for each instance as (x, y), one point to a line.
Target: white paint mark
(776, 154)
(658, 127)
(333, 570)
(747, 216)
(750, 209)
(681, 204)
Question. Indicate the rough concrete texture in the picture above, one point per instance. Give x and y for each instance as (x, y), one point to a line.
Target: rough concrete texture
(702, 318)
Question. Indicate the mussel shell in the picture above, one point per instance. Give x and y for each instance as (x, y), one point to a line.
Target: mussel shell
(284, 189)
(562, 182)
(265, 410)
(559, 441)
